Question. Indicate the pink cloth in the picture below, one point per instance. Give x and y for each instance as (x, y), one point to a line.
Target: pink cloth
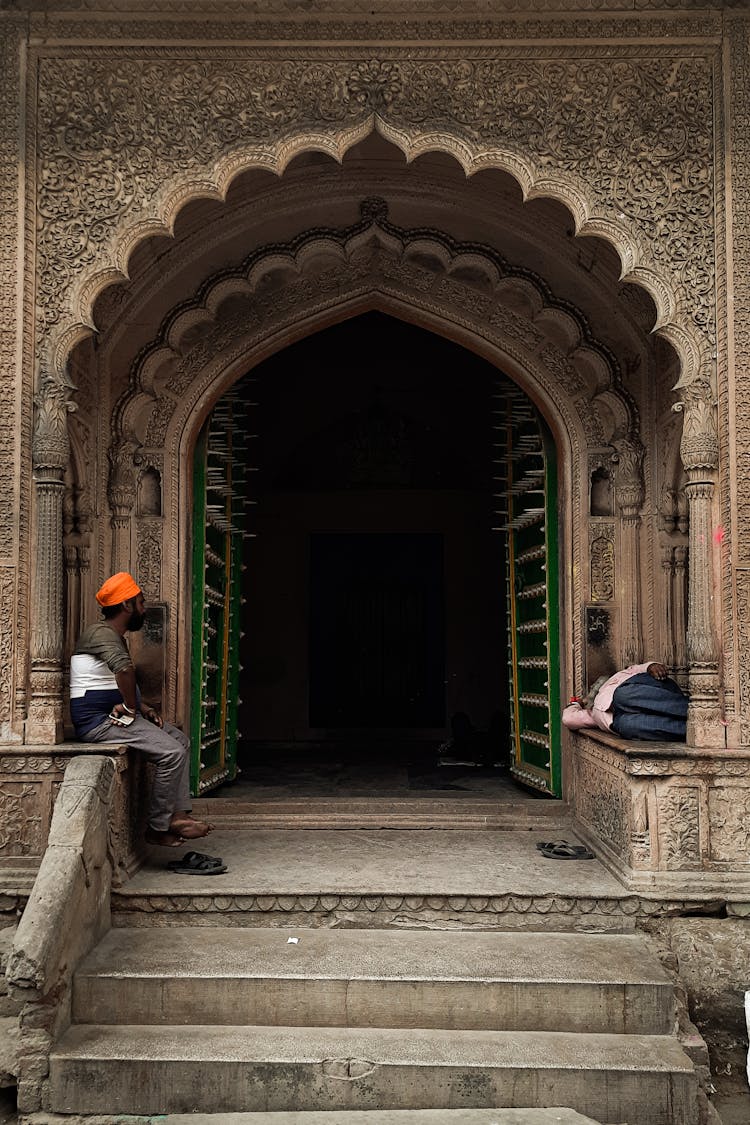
(599, 715)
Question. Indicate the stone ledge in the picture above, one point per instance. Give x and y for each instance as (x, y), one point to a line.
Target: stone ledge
(30, 777)
(664, 758)
(665, 817)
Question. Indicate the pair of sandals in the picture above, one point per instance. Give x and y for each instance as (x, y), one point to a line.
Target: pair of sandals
(561, 849)
(196, 863)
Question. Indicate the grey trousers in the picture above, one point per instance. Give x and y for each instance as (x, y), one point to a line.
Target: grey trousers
(168, 749)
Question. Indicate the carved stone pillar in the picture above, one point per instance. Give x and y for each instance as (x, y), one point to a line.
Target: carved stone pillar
(680, 602)
(629, 493)
(50, 454)
(668, 639)
(73, 595)
(121, 494)
(699, 449)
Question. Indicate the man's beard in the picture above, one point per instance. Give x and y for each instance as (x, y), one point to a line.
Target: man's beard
(135, 621)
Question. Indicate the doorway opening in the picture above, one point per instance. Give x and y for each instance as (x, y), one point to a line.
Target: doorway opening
(375, 574)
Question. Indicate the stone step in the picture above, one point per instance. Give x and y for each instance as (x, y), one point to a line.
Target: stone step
(488, 880)
(167, 1069)
(375, 978)
(454, 814)
(553, 1116)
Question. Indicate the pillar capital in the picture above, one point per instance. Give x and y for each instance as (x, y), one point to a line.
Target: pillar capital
(50, 447)
(629, 485)
(699, 445)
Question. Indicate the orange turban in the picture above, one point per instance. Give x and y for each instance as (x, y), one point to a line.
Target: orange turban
(119, 588)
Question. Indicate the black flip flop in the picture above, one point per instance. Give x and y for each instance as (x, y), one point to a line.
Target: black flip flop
(563, 850)
(196, 863)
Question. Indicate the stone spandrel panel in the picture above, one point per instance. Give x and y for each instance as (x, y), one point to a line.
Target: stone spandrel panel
(679, 810)
(729, 814)
(602, 801)
(627, 139)
(22, 818)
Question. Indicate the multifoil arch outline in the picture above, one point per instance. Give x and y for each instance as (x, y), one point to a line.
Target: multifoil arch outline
(324, 276)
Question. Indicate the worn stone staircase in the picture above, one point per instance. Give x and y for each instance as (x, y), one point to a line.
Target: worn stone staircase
(239, 1023)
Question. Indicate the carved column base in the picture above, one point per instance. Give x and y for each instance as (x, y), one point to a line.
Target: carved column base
(44, 724)
(705, 728)
(666, 817)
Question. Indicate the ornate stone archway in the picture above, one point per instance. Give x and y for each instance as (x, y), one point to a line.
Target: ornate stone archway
(283, 293)
(195, 123)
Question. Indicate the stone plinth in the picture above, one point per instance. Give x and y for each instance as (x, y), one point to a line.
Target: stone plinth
(30, 779)
(665, 816)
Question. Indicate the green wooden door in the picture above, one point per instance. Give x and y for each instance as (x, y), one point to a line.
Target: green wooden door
(219, 532)
(527, 502)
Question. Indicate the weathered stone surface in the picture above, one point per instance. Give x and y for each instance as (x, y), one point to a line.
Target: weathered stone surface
(372, 978)
(155, 1069)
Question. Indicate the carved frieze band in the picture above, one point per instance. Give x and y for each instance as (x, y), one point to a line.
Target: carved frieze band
(395, 20)
(626, 142)
(508, 904)
(7, 610)
(9, 211)
(12, 502)
(742, 585)
(740, 249)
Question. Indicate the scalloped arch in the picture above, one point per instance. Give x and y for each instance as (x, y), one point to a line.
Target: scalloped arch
(214, 184)
(199, 329)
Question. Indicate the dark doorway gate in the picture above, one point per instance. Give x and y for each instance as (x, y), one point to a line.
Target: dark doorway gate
(377, 595)
(377, 656)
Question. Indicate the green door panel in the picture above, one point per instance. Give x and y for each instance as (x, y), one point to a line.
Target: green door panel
(526, 500)
(219, 530)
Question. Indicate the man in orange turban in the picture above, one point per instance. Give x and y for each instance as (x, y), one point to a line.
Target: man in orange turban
(105, 706)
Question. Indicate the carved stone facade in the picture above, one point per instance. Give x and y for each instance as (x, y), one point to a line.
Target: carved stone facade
(172, 215)
(667, 818)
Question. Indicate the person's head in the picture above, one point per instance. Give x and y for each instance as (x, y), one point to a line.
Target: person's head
(591, 694)
(122, 601)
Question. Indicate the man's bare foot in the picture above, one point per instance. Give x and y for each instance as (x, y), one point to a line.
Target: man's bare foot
(164, 839)
(190, 829)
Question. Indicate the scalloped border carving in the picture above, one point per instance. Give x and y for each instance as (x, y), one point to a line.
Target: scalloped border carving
(205, 344)
(422, 100)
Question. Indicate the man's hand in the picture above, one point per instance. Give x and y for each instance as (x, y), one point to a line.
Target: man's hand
(152, 715)
(658, 671)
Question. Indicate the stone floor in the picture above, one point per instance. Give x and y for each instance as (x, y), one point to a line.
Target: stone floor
(380, 862)
(405, 770)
